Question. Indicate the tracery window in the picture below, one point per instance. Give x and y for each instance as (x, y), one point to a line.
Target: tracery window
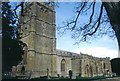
(63, 65)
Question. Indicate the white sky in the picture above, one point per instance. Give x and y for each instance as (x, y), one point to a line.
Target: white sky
(102, 47)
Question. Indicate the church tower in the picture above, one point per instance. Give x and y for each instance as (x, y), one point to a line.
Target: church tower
(38, 32)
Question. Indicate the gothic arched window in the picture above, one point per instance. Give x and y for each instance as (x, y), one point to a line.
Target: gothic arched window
(87, 70)
(63, 65)
(104, 65)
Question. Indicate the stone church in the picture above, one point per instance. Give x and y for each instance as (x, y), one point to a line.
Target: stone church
(41, 58)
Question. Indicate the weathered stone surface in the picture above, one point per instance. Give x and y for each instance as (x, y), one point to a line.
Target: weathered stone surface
(36, 27)
(82, 64)
(39, 34)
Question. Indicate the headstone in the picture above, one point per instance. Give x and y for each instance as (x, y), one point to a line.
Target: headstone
(13, 74)
(48, 77)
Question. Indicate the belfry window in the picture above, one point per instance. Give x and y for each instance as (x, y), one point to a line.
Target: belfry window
(63, 65)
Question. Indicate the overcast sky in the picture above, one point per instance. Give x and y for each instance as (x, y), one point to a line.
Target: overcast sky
(102, 47)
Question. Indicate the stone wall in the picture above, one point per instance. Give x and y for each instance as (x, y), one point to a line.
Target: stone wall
(38, 33)
(35, 29)
(82, 64)
(63, 55)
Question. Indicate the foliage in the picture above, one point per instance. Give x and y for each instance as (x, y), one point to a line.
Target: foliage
(11, 46)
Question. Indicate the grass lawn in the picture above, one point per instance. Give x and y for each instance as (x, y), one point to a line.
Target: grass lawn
(56, 79)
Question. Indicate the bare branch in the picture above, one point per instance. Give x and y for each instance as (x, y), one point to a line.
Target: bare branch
(82, 32)
(93, 10)
(91, 17)
(88, 7)
(79, 12)
(20, 5)
(98, 21)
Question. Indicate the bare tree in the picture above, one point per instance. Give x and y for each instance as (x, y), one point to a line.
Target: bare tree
(113, 12)
(109, 12)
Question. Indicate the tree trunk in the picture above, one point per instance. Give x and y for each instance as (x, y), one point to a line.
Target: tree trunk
(113, 12)
(117, 32)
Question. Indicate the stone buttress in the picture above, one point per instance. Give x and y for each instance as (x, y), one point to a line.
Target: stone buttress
(38, 32)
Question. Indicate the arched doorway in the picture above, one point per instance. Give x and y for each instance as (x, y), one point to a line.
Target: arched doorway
(23, 70)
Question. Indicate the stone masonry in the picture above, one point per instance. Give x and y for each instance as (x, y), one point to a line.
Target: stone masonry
(38, 33)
